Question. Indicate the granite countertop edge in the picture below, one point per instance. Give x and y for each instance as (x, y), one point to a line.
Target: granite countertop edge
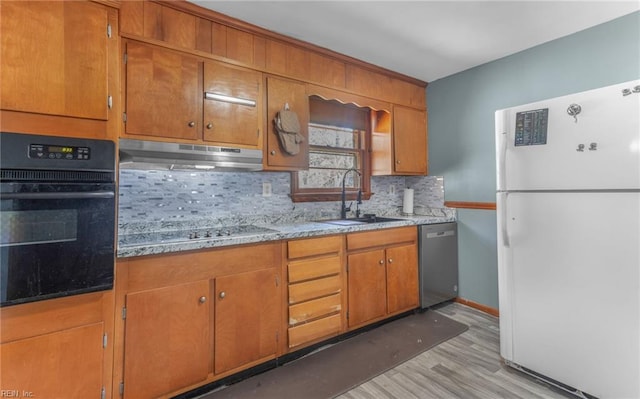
(280, 232)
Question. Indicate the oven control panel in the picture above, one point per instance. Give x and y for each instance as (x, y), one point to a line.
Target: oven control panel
(46, 151)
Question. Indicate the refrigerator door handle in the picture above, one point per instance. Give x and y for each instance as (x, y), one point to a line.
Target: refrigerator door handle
(503, 161)
(501, 121)
(504, 230)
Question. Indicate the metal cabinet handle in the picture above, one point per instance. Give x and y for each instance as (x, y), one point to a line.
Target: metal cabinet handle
(230, 99)
(209, 125)
(381, 261)
(390, 260)
(191, 123)
(273, 152)
(203, 299)
(222, 294)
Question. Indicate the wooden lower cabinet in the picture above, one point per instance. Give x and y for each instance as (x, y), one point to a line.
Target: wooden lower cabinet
(402, 278)
(195, 317)
(192, 318)
(367, 287)
(316, 290)
(382, 273)
(57, 348)
(247, 318)
(167, 343)
(63, 364)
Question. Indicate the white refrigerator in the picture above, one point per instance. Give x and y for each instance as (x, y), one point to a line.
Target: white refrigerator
(568, 214)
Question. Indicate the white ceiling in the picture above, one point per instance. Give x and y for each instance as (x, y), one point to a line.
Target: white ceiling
(427, 40)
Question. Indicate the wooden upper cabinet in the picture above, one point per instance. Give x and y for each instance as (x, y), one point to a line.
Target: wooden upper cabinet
(163, 98)
(232, 104)
(307, 65)
(384, 87)
(182, 29)
(368, 83)
(158, 22)
(326, 70)
(169, 25)
(240, 46)
(55, 58)
(410, 141)
(409, 94)
(182, 24)
(282, 92)
(399, 142)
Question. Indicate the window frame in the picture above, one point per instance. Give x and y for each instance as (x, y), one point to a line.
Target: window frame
(342, 118)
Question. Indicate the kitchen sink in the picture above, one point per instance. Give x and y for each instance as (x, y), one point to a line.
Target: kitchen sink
(361, 220)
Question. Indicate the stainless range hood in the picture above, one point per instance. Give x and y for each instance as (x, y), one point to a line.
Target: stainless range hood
(139, 154)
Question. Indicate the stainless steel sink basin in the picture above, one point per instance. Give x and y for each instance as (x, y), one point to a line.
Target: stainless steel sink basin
(361, 220)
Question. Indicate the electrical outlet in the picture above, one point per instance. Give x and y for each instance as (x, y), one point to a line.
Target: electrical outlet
(266, 189)
(392, 189)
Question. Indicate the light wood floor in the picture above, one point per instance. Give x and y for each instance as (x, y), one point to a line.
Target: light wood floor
(467, 366)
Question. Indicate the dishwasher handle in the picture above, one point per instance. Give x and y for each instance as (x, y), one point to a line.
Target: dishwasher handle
(439, 234)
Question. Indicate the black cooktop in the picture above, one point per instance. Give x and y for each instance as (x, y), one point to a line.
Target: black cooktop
(177, 236)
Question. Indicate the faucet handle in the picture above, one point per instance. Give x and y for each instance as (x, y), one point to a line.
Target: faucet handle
(347, 208)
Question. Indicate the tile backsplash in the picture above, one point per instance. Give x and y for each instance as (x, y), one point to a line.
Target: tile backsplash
(169, 199)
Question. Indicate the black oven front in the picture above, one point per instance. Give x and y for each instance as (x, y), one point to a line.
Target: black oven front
(57, 217)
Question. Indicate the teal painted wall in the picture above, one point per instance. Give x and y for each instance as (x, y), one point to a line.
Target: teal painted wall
(461, 111)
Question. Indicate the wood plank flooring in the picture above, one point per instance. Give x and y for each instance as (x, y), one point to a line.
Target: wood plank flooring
(467, 366)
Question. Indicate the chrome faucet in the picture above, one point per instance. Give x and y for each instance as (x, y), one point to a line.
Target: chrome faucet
(344, 208)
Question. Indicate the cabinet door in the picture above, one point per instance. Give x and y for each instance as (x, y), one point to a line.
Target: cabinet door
(65, 364)
(54, 58)
(402, 278)
(367, 287)
(248, 307)
(227, 120)
(167, 345)
(410, 141)
(162, 96)
(279, 93)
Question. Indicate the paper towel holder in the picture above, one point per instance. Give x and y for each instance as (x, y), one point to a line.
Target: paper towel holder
(407, 202)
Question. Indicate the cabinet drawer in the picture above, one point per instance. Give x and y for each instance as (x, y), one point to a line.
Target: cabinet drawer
(314, 246)
(310, 269)
(314, 289)
(378, 238)
(314, 309)
(316, 329)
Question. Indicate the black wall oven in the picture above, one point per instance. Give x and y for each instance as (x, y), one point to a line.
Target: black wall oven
(57, 217)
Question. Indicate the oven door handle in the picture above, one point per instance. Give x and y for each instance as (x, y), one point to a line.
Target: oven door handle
(69, 195)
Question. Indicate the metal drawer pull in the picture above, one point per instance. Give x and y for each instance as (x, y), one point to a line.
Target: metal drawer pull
(390, 260)
(222, 294)
(229, 99)
(381, 261)
(203, 299)
(191, 123)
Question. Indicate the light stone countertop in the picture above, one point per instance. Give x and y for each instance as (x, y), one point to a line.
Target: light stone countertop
(151, 243)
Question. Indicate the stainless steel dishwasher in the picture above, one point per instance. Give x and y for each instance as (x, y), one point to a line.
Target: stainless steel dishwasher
(438, 253)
